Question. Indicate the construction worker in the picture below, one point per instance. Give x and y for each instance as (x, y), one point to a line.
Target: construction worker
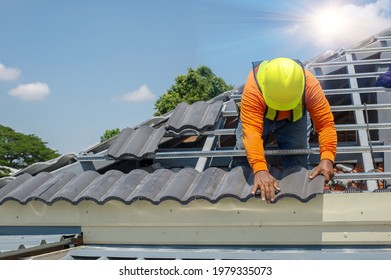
(281, 97)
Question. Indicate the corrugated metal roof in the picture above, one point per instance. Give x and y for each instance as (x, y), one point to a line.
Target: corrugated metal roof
(15, 242)
(229, 252)
(12, 238)
(184, 186)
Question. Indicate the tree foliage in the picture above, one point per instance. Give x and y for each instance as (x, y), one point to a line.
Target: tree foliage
(4, 171)
(18, 150)
(109, 133)
(198, 84)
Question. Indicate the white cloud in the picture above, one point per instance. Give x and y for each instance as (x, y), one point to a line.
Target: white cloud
(31, 92)
(140, 95)
(343, 25)
(8, 73)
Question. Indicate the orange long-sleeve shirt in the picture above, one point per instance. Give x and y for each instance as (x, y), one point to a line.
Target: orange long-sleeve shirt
(252, 112)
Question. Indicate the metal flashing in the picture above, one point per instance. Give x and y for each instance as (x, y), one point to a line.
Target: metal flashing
(88, 252)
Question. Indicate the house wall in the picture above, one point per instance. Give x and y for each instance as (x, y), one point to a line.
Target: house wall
(329, 219)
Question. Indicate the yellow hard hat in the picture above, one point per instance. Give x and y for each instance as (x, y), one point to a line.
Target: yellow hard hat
(282, 81)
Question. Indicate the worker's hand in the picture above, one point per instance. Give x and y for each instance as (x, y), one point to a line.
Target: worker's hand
(267, 184)
(325, 167)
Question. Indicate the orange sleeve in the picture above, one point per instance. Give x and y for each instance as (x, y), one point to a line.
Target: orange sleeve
(322, 117)
(251, 113)
(253, 107)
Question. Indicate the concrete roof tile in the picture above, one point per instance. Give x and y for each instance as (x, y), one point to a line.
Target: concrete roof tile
(184, 186)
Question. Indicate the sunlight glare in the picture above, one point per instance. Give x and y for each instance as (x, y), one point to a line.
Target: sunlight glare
(329, 22)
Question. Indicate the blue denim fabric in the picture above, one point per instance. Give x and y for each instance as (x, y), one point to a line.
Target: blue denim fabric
(384, 80)
(239, 161)
(289, 135)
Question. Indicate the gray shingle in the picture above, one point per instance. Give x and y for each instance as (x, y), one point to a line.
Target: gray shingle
(49, 191)
(123, 188)
(49, 165)
(188, 184)
(178, 185)
(294, 182)
(197, 116)
(206, 184)
(26, 190)
(72, 189)
(137, 143)
(99, 186)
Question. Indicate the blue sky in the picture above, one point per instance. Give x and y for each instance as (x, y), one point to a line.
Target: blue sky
(69, 70)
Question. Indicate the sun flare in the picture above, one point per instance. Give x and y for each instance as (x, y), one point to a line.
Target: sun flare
(329, 22)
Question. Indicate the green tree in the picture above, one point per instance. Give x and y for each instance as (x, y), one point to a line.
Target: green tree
(109, 133)
(198, 84)
(18, 150)
(4, 171)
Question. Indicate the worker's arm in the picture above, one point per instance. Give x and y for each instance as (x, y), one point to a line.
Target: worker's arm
(252, 111)
(323, 119)
(251, 114)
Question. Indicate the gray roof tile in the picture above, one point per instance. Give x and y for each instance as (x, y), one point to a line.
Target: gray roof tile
(197, 116)
(49, 165)
(71, 190)
(48, 191)
(99, 186)
(137, 143)
(294, 182)
(178, 185)
(184, 186)
(24, 187)
(123, 188)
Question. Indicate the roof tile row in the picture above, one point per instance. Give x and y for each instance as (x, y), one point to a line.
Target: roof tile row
(143, 141)
(184, 186)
